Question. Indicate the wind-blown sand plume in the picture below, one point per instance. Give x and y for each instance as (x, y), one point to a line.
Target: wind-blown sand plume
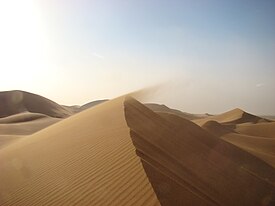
(87, 159)
(195, 168)
(14, 102)
(235, 116)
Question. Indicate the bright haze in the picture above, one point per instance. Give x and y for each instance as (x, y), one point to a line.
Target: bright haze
(208, 55)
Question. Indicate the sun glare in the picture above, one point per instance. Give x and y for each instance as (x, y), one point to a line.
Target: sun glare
(24, 45)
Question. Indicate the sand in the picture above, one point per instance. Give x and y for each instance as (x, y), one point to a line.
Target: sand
(251, 133)
(88, 159)
(120, 152)
(235, 116)
(164, 109)
(14, 102)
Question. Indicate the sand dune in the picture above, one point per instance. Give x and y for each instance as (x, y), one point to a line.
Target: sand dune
(249, 132)
(14, 102)
(235, 116)
(19, 125)
(218, 129)
(87, 159)
(261, 129)
(26, 128)
(22, 117)
(122, 153)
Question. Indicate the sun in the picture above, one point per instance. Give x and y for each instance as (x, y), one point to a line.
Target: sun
(24, 44)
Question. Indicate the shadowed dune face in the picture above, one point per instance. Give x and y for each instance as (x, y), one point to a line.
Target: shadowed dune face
(193, 167)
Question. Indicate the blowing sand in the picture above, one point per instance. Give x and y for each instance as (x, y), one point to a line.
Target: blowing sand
(120, 152)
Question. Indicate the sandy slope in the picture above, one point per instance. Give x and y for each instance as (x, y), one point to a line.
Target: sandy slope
(87, 159)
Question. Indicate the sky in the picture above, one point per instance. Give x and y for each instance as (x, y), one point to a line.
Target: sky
(206, 55)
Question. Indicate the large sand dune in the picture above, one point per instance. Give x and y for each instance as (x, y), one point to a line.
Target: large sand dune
(122, 153)
(88, 159)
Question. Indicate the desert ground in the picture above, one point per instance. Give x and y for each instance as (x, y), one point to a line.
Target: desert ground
(123, 152)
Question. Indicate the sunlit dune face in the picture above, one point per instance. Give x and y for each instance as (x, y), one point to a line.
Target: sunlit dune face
(24, 44)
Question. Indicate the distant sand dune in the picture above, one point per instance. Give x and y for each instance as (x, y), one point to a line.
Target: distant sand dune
(218, 129)
(19, 125)
(26, 128)
(22, 117)
(261, 129)
(14, 102)
(235, 116)
(259, 146)
(247, 131)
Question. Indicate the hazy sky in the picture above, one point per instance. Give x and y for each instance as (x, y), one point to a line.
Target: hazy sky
(208, 55)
